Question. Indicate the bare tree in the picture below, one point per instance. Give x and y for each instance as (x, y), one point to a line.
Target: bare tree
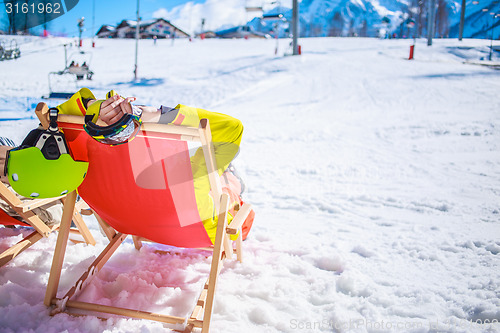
(363, 31)
(336, 25)
(4, 24)
(442, 21)
(422, 17)
(352, 32)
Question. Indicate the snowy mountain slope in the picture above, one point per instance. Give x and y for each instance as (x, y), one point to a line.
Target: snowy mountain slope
(364, 18)
(375, 181)
(344, 17)
(479, 24)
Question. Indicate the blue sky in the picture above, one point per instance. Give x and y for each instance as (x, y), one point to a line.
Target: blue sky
(106, 12)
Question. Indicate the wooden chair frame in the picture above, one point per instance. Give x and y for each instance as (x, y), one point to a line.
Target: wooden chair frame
(223, 246)
(25, 211)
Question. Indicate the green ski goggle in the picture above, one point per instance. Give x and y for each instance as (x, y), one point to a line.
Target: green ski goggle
(118, 133)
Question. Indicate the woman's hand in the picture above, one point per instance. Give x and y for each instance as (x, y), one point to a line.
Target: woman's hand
(114, 108)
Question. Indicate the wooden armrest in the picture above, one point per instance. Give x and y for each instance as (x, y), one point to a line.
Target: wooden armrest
(35, 203)
(42, 112)
(238, 220)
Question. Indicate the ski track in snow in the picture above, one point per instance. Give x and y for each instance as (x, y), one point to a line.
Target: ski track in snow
(375, 181)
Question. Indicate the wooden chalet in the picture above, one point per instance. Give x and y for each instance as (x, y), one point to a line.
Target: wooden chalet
(160, 28)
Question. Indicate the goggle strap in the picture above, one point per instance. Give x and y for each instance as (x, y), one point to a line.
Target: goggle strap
(88, 117)
(53, 120)
(6, 163)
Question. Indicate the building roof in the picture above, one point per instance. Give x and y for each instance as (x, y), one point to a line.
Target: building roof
(106, 27)
(125, 25)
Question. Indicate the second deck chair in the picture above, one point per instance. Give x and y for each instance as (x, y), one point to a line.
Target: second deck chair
(27, 212)
(145, 188)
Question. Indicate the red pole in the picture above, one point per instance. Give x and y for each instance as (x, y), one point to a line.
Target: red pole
(412, 47)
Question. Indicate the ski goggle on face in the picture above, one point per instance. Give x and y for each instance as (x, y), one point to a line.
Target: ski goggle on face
(118, 133)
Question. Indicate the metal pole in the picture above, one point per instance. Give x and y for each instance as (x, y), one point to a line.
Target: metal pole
(14, 28)
(276, 30)
(491, 48)
(136, 40)
(492, 27)
(295, 27)
(80, 30)
(65, 56)
(430, 22)
(417, 18)
(93, 22)
(462, 19)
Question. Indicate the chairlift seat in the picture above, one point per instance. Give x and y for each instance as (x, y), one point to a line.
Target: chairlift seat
(78, 70)
(60, 95)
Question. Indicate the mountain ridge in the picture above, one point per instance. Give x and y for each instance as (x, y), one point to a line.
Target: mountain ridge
(379, 18)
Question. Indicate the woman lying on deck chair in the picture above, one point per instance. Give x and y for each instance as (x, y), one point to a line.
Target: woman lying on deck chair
(226, 136)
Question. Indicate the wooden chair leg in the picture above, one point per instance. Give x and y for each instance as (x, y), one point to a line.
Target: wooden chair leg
(216, 261)
(60, 251)
(28, 216)
(228, 247)
(14, 250)
(239, 248)
(106, 228)
(82, 227)
(137, 242)
(94, 268)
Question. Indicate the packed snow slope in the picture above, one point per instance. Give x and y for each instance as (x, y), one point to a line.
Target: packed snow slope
(375, 181)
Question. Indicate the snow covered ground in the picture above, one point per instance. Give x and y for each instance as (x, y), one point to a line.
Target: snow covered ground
(375, 181)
